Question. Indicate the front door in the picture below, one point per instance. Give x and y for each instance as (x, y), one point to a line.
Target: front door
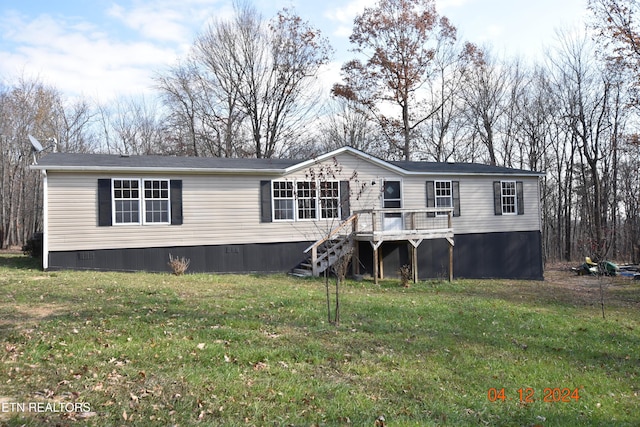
(392, 199)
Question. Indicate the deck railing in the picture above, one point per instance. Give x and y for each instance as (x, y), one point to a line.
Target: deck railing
(377, 226)
(381, 223)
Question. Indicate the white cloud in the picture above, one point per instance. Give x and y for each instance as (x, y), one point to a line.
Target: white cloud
(343, 16)
(77, 56)
(152, 21)
(443, 5)
(345, 13)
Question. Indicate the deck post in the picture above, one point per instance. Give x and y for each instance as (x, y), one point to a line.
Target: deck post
(355, 259)
(314, 263)
(414, 263)
(375, 265)
(450, 262)
(450, 224)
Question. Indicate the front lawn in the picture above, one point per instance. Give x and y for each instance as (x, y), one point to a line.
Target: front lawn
(107, 349)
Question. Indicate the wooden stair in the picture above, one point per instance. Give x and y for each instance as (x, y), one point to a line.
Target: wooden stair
(326, 251)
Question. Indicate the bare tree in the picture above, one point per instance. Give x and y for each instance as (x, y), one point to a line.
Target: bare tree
(72, 125)
(486, 92)
(630, 199)
(441, 136)
(248, 90)
(586, 97)
(27, 107)
(178, 89)
(132, 126)
(400, 39)
(346, 124)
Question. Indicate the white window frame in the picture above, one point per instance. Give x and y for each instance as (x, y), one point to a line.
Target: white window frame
(306, 200)
(115, 199)
(441, 197)
(314, 197)
(509, 200)
(145, 199)
(280, 198)
(322, 200)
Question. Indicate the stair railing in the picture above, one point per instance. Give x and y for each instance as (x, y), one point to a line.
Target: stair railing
(316, 260)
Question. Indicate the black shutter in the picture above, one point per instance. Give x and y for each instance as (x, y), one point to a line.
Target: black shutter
(345, 205)
(497, 197)
(104, 202)
(265, 201)
(520, 195)
(455, 193)
(431, 198)
(175, 186)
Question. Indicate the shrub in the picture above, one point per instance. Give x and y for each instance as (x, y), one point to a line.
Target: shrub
(178, 264)
(33, 247)
(405, 275)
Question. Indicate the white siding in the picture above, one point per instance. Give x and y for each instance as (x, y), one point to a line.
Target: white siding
(476, 203)
(225, 209)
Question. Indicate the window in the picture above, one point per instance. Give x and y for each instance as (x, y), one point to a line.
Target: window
(303, 200)
(137, 201)
(156, 201)
(508, 197)
(126, 200)
(391, 197)
(307, 200)
(443, 194)
(508, 191)
(283, 200)
(329, 199)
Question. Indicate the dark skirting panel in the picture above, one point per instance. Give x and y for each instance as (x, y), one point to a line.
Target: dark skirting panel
(509, 255)
(262, 257)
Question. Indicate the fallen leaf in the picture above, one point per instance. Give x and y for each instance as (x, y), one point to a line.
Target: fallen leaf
(259, 366)
(83, 415)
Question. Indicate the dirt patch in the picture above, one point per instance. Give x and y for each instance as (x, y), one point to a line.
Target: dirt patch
(5, 401)
(566, 285)
(11, 250)
(18, 315)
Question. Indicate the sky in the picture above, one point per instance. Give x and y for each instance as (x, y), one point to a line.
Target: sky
(104, 49)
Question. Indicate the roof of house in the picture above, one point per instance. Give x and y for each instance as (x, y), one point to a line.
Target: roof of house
(459, 168)
(86, 162)
(110, 162)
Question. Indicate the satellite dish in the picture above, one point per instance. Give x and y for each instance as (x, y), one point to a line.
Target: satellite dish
(37, 147)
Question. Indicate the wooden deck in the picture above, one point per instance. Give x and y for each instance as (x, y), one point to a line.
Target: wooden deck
(377, 226)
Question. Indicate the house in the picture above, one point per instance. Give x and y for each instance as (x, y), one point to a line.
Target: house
(112, 212)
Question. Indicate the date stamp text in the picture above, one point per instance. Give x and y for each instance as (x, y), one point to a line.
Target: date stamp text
(528, 395)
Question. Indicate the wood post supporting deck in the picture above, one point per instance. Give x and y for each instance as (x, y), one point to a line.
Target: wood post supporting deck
(450, 224)
(415, 228)
(376, 264)
(355, 258)
(450, 261)
(414, 263)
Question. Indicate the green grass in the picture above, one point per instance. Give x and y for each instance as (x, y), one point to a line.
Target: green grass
(226, 350)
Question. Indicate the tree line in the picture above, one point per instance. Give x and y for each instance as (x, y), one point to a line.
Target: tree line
(251, 87)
